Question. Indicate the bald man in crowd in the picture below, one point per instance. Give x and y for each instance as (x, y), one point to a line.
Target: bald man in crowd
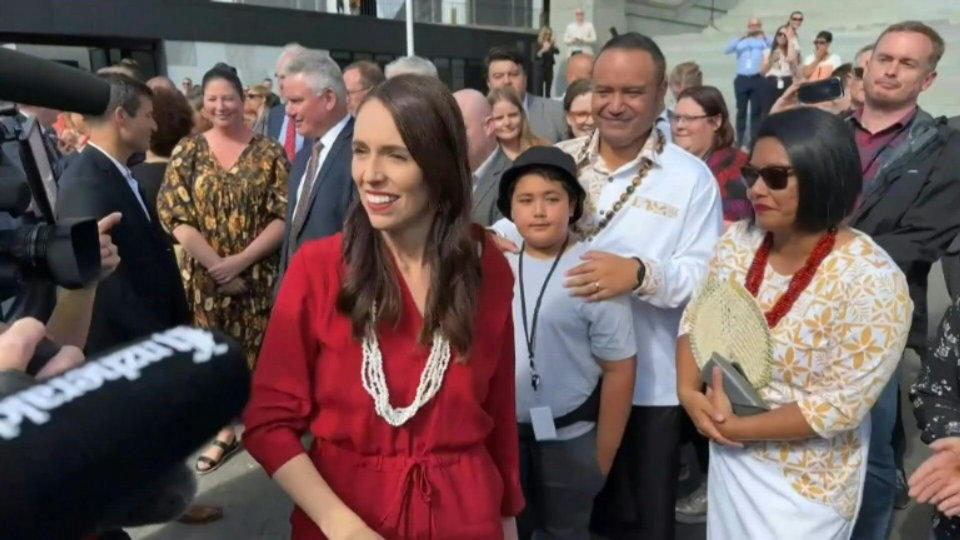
(487, 160)
(579, 66)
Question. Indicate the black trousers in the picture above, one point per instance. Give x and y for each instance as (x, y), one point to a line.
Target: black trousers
(640, 494)
(542, 79)
(772, 90)
(749, 92)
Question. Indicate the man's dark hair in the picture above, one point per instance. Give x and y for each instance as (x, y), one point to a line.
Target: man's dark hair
(825, 35)
(370, 73)
(826, 162)
(125, 92)
(635, 41)
(510, 54)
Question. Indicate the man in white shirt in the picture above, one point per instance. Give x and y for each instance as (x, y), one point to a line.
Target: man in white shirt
(652, 217)
(320, 186)
(580, 35)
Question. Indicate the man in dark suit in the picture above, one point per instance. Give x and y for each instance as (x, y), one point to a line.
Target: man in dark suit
(145, 294)
(505, 67)
(487, 160)
(279, 127)
(320, 186)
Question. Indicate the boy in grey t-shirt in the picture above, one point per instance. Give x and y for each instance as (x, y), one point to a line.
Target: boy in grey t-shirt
(570, 426)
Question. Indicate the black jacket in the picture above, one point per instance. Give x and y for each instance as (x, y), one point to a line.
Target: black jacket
(911, 208)
(144, 294)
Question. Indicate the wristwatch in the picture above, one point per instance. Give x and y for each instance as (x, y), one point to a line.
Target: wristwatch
(641, 271)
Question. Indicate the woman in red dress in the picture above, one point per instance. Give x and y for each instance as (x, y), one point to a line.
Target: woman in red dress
(410, 307)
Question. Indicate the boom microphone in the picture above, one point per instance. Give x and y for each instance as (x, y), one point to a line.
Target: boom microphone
(43, 83)
(73, 447)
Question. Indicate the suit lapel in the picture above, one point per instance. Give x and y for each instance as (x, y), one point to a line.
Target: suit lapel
(340, 146)
(487, 188)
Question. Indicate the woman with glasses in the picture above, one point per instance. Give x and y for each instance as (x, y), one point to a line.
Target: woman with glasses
(255, 108)
(578, 106)
(822, 62)
(838, 311)
(701, 125)
(781, 66)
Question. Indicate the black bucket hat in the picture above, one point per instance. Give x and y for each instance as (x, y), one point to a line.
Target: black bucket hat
(546, 157)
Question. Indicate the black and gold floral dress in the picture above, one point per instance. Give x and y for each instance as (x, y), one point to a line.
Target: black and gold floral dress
(230, 208)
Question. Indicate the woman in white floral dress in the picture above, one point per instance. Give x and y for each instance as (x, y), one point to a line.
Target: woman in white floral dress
(839, 312)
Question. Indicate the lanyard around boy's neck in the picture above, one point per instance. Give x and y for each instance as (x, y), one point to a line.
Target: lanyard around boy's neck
(530, 331)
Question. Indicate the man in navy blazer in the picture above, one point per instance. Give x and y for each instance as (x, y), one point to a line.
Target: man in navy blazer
(320, 186)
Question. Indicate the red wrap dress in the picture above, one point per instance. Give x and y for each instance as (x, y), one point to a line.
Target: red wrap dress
(451, 471)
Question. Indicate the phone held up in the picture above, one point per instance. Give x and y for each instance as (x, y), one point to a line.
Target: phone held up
(820, 91)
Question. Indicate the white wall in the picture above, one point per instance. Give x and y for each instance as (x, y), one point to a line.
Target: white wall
(193, 59)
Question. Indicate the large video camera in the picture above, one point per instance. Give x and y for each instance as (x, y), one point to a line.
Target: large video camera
(38, 252)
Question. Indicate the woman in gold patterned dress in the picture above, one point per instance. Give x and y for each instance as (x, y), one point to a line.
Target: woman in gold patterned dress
(224, 199)
(838, 310)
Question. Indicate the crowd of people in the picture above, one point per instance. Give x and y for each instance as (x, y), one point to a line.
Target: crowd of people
(484, 309)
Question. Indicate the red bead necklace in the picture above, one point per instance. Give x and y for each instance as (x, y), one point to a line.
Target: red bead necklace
(799, 281)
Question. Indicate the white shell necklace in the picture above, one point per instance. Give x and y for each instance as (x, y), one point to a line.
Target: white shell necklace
(375, 381)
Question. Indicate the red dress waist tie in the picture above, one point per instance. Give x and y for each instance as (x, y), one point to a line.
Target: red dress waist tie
(407, 484)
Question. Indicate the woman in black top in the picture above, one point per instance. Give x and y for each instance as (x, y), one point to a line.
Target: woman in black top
(544, 63)
(174, 118)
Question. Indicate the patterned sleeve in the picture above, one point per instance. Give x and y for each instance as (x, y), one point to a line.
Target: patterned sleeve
(936, 394)
(277, 196)
(872, 321)
(175, 203)
(721, 253)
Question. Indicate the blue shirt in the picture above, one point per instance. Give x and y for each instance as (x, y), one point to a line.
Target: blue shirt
(749, 53)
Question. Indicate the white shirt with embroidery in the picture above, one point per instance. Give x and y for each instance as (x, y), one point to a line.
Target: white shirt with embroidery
(671, 222)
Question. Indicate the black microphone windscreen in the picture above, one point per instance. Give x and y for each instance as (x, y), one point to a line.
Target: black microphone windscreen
(43, 83)
(74, 446)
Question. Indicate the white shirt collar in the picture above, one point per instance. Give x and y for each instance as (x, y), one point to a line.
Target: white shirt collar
(331, 135)
(120, 166)
(482, 169)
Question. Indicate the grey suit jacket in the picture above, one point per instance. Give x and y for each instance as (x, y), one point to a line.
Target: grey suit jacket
(485, 193)
(330, 199)
(546, 118)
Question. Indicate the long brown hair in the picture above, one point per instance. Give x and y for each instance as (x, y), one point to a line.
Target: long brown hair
(527, 137)
(432, 129)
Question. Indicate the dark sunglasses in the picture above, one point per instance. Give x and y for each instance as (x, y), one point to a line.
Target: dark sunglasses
(775, 177)
(858, 72)
(820, 42)
(800, 19)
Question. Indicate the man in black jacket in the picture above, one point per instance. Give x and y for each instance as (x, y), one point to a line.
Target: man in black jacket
(145, 294)
(909, 207)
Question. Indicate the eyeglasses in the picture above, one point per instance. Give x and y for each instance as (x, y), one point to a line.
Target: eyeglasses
(774, 177)
(358, 90)
(798, 19)
(685, 119)
(781, 35)
(820, 42)
(858, 72)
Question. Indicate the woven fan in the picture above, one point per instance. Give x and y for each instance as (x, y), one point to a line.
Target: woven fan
(728, 330)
